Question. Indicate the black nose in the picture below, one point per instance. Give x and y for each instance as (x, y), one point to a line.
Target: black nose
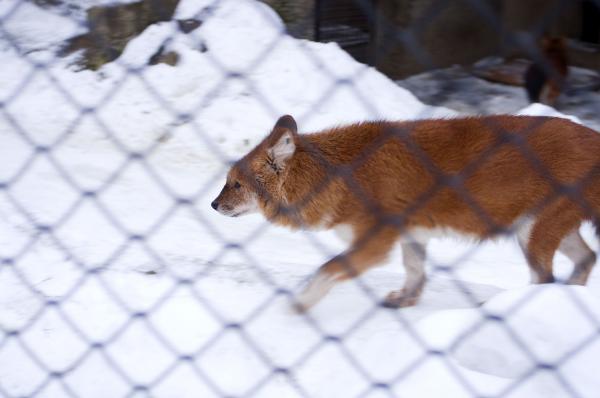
(214, 204)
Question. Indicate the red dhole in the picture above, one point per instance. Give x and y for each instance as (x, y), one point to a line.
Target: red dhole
(381, 182)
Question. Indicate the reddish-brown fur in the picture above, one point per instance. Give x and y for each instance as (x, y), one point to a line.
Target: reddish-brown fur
(478, 176)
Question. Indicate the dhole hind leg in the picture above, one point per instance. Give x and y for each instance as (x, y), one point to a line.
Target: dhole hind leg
(583, 258)
(369, 248)
(413, 258)
(540, 239)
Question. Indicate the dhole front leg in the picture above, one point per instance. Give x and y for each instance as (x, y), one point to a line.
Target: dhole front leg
(413, 257)
(369, 248)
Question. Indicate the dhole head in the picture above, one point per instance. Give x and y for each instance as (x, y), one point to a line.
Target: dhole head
(255, 180)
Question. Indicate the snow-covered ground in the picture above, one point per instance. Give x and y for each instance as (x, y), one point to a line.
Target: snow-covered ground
(118, 279)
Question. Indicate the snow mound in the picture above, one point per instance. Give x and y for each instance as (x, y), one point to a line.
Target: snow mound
(30, 29)
(541, 338)
(545, 110)
(238, 72)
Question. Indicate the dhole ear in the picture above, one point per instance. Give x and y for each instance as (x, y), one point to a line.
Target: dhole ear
(282, 141)
(288, 123)
(283, 149)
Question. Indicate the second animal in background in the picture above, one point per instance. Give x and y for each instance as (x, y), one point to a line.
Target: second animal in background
(546, 77)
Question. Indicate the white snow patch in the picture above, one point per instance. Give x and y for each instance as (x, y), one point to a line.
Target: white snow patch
(545, 110)
(125, 249)
(515, 332)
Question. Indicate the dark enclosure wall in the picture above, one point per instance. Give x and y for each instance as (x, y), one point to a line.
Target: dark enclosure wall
(405, 37)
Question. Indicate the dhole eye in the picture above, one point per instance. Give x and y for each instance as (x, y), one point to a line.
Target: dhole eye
(237, 185)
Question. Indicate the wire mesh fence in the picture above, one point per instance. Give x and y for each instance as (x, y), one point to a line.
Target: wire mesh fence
(117, 127)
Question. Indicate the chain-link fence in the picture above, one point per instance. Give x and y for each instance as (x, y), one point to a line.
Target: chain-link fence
(120, 122)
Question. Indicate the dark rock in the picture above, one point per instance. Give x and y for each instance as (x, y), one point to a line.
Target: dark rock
(188, 25)
(154, 58)
(171, 58)
(160, 57)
